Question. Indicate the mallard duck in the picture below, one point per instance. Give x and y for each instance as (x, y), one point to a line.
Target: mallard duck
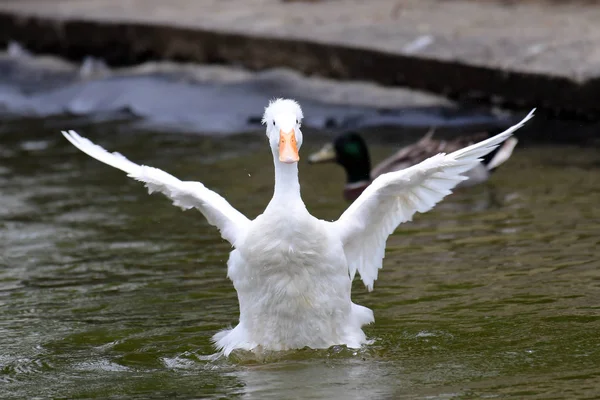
(351, 152)
(293, 272)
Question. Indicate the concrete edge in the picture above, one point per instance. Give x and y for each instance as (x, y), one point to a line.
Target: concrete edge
(132, 43)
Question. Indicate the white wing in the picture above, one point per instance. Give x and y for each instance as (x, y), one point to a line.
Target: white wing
(186, 195)
(394, 198)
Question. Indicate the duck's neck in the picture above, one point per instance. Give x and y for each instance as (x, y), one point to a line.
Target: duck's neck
(287, 186)
(358, 173)
(357, 170)
(358, 167)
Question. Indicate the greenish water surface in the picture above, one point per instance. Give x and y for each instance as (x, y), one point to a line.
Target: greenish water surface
(107, 292)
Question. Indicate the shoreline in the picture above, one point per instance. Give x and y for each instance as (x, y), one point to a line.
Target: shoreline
(73, 33)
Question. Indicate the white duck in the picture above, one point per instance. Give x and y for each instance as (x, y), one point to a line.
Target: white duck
(293, 272)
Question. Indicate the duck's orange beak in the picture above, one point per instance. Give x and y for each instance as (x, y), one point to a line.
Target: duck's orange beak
(288, 148)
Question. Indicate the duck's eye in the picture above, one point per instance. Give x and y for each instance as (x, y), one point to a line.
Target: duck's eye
(273, 123)
(297, 122)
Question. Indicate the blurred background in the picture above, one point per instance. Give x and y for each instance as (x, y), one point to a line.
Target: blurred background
(106, 292)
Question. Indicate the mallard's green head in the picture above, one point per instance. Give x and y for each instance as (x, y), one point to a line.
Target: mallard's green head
(351, 152)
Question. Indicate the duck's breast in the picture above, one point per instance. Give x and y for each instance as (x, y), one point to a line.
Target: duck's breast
(292, 281)
(279, 250)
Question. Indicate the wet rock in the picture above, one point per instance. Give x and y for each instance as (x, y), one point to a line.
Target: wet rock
(212, 99)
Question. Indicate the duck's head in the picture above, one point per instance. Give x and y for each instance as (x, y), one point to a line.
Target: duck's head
(283, 118)
(351, 152)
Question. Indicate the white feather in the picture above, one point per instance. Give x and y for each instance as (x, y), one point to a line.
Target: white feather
(394, 198)
(230, 222)
(278, 107)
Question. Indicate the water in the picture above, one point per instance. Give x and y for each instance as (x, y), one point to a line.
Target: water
(107, 292)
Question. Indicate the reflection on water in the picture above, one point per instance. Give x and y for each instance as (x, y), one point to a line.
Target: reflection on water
(108, 292)
(357, 378)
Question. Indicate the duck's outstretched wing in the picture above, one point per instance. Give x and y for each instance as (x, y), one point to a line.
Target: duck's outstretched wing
(394, 198)
(186, 195)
